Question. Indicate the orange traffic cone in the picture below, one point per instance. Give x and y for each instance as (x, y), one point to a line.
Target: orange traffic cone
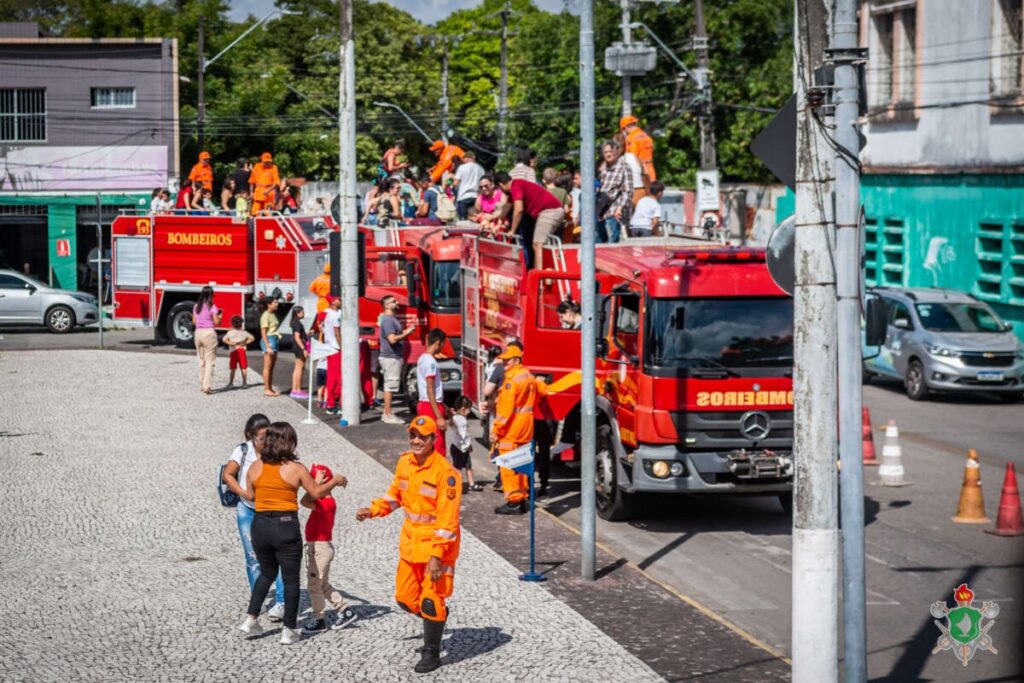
(868, 438)
(971, 509)
(1009, 522)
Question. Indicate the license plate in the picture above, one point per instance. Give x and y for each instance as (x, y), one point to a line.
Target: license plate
(990, 376)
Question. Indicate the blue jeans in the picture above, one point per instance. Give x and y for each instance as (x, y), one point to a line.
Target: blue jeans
(608, 231)
(252, 565)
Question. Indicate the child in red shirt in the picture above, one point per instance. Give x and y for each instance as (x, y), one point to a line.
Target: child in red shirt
(319, 554)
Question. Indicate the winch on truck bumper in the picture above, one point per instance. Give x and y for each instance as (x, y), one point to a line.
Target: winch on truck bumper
(762, 464)
(669, 469)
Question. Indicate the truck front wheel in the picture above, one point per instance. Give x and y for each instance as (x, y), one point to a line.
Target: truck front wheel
(612, 502)
(180, 326)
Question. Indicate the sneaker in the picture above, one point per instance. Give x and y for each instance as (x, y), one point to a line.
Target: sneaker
(290, 636)
(251, 627)
(497, 485)
(510, 509)
(333, 411)
(344, 618)
(302, 395)
(276, 612)
(314, 626)
(392, 420)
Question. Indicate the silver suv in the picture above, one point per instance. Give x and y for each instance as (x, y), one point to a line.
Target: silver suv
(944, 340)
(27, 301)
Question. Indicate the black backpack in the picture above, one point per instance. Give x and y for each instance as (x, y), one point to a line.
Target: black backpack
(229, 498)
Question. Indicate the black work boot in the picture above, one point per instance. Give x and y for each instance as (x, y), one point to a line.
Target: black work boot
(431, 659)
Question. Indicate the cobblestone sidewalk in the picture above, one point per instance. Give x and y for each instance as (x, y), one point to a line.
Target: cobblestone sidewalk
(118, 563)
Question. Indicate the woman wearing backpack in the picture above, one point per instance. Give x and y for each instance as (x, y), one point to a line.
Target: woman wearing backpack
(206, 317)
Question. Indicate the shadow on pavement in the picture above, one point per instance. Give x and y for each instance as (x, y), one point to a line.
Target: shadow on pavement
(466, 643)
(980, 398)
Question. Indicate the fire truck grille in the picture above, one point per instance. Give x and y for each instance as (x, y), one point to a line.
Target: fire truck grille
(721, 431)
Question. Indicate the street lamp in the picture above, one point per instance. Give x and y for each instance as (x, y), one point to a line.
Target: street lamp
(407, 118)
(203, 63)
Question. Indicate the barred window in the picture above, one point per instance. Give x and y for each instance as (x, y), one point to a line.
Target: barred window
(113, 98)
(22, 114)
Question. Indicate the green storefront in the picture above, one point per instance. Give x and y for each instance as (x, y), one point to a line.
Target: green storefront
(964, 232)
(68, 222)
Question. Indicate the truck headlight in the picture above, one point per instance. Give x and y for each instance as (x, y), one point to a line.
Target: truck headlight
(660, 469)
(942, 351)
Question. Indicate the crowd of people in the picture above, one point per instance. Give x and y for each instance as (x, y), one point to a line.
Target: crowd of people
(249, 190)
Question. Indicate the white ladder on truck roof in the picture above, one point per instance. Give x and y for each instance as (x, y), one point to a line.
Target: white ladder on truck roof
(554, 243)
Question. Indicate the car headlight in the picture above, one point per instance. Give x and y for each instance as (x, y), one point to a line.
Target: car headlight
(942, 351)
(1020, 353)
(85, 299)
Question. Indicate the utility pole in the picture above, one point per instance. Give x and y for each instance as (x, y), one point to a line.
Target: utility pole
(627, 40)
(815, 603)
(705, 117)
(444, 87)
(503, 86)
(350, 385)
(201, 107)
(588, 297)
(845, 54)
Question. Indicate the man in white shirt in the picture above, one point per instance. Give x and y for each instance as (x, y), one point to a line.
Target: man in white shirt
(428, 384)
(467, 180)
(646, 220)
(332, 337)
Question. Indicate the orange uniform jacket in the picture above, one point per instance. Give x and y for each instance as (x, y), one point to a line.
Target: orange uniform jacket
(202, 173)
(321, 286)
(444, 162)
(430, 495)
(640, 144)
(513, 409)
(264, 180)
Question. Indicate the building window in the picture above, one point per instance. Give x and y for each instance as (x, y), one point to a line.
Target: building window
(893, 48)
(113, 98)
(1007, 48)
(22, 114)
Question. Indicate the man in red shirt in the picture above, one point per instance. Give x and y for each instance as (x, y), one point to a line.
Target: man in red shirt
(537, 203)
(319, 554)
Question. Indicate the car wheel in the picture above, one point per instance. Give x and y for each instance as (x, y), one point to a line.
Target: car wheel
(60, 320)
(613, 504)
(917, 389)
(180, 327)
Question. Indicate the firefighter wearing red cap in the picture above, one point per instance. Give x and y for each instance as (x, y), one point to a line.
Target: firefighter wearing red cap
(512, 426)
(639, 144)
(429, 491)
(264, 181)
(202, 172)
(321, 287)
(446, 155)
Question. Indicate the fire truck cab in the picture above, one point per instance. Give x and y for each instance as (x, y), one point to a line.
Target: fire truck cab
(694, 361)
(162, 261)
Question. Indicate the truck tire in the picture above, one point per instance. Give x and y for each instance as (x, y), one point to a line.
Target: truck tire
(786, 501)
(412, 394)
(180, 328)
(60, 319)
(613, 504)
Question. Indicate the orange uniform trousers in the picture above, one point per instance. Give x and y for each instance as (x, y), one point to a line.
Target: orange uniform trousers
(416, 593)
(515, 486)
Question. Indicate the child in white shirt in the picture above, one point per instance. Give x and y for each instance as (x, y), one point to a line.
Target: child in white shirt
(462, 443)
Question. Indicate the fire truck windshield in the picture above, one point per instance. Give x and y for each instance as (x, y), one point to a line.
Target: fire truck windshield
(445, 286)
(727, 335)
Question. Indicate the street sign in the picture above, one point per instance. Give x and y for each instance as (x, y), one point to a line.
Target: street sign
(707, 191)
(775, 146)
(635, 59)
(63, 248)
(781, 255)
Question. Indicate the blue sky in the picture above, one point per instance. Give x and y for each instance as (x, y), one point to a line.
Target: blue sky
(428, 11)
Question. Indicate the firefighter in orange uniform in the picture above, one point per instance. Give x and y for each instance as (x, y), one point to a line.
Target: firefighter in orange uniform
(640, 145)
(430, 492)
(446, 155)
(512, 426)
(202, 171)
(321, 286)
(264, 182)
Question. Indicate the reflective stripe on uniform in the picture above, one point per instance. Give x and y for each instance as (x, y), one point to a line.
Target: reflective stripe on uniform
(444, 533)
(392, 502)
(416, 517)
(428, 491)
(447, 569)
(528, 409)
(403, 484)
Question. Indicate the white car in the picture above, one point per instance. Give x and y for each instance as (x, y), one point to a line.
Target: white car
(27, 301)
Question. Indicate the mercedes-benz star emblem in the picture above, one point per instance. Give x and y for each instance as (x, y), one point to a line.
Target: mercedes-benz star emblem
(755, 425)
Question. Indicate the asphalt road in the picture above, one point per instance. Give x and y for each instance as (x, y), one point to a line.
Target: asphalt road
(732, 554)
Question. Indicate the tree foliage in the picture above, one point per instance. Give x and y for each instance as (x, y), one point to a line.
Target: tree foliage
(277, 89)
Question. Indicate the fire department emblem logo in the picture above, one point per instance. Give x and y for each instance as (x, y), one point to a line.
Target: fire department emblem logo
(281, 242)
(965, 631)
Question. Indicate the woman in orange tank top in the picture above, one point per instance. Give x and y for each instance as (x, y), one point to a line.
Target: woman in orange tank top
(273, 484)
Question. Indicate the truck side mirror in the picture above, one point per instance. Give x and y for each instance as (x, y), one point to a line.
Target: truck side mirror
(412, 281)
(875, 314)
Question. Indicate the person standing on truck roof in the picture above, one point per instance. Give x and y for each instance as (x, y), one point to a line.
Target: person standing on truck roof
(446, 154)
(640, 144)
(429, 386)
(430, 492)
(617, 185)
(392, 354)
(240, 176)
(202, 172)
(332, 337)
(321, 287)
(207, 317)
(395, 161)
(264, 184)
(467, 182)
(525, 166)
(533, 200)
(646, 220)
(512, 426)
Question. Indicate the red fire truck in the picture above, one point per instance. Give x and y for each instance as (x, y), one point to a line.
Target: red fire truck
(694, 361)
(161, 262)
